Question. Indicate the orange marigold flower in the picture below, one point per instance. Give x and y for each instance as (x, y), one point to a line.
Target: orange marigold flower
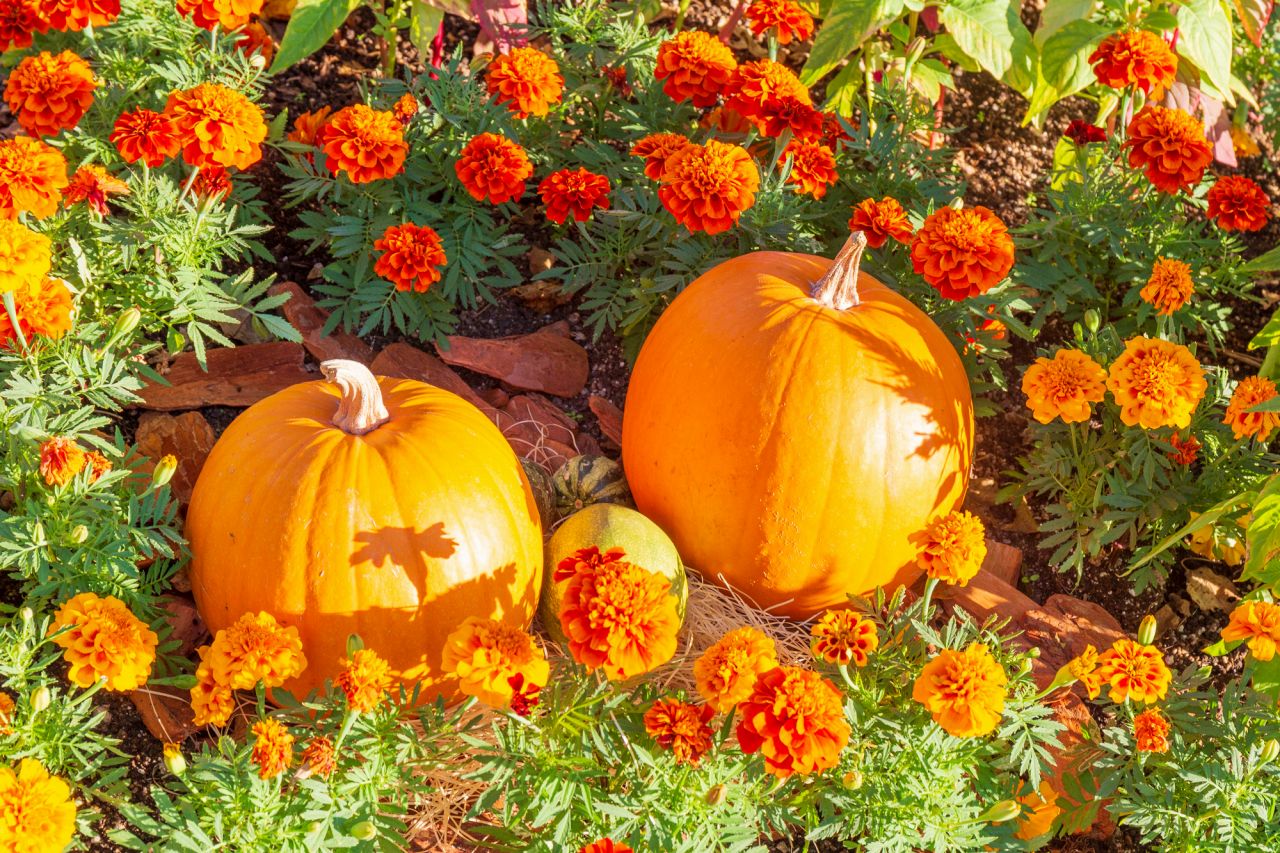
(365, 680)
(93, 185)
(842, 637)
(99, 465)
(1151, 731)
(254, 38)
(1237, 203)
(74, 15)
(620, 618)
(1135, 58)
(256, 648)
(411, 258)
(526, 80)
(656, 148)
(25, 257)
(217, 126)
(953, 547)
(573, 192)
(485, 655)
(707, 187)
(726, 672)
(726, 122)
(212, 182)
(586, 560)
(1156, 383)
(102, 640)
(606, 845)
(1042, 810)
(7, 708)
(61, 459)
(1084, 668)
(19, 21)
(211, 700)
(788, 113)
(682, 727)
(880, 220)
(758, 86)
(1258, 622)
(964, 691)
(813, 166)
(145, 135)
(493, 167)
(405, 108)
(1169, 287)
(1184, 451)
(616, 75)
(318, 758)
(32, 176)
(1170, 146)
(1252, 391)
(795, 719)
(695, 66)
(307, 126)
(37, 814)
(272, 748)
(1134, 671)
(229, 14)
(46, 312)
(787, 18)
(1065, 386)
(962, 253)
(833, 131)
(50, 93)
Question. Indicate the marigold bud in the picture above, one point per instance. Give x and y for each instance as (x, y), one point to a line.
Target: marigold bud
(1270, 750)
(1147, 630)
(165, 469)
(364, 831)
(79, 534)
(1092, 320)
(1025, 666)
(124, 326)
(40, 699)
(28, 615)
(1002, 812)
(717, 795)
(852, 780)
(174, 761)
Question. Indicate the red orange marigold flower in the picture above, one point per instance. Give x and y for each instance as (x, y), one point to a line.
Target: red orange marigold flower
(61, 459)
(1134, 671)
(953, 547)
(526, 80)
(757, 88)
(318, 758)
(786, 17)
(1151, 731)
(695, 66)
(963, 691)
(19, 21)
(813, 167)
(656, 148)
(1258, 622)
(365, 680)
(881, 220)
(1169, 287)
(1156, 383)
(307, 126)
(1170, 146)
(962, 253)
(230, 14)
(795, 719)
(46, 312)
(707, 187)
(405, 108)
(411, 258)
(1138, 58)
(93, 185)
(217, 126)
(486, 655)
(1237, 203)
(32, 177)
(842, 637)
(1081, 132)
(682, 727)
(213, 182)
(726, 672)
(272, 748)
(787, 113)
(1184, 451)
(1065, 386)
(145, 135)
(72, 16)
(366, 144)
(573, 192)
(1251, 391)
(98, 464)
(493, 167)
(606, 845)
(101, 639)
(50, 93)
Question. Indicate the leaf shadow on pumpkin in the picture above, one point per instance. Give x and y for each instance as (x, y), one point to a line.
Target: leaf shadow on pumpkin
(379, 545)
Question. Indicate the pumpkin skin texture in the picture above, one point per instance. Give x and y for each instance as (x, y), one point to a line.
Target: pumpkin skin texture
(397, 535)
(792, 447)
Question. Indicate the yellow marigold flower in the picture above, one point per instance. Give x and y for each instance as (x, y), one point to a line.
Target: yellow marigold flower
(211, 700)
(963, 691)
(843, 637)
(36, 811)
(953, 547)
(104, 640)
(1151, 731)
(1084, 668)
(25, 257)
(1249, 393)
(7, 707)
(1043, 810)
(257, 648)
(485, 655)
(795, 719)
(1065, 386)
(1259, 623)
(1156, 383)
(1224, 541)
(727, 671)
(32, 177)
(1169, 286)
(365, 680)
(272, 749)
(1134, 671)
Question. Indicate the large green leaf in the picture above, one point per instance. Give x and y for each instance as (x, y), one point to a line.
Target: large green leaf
(311, 26)
(1058, 13)
(1270, 334)
(846, 26)
(1204, 38)
(983, 30)
(1064, 57)
(1263, 564)
(1266, 262)
(1254, 15)
(424, 23)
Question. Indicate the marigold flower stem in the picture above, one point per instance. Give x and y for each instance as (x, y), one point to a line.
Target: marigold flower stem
(10, 307)
(926, 600)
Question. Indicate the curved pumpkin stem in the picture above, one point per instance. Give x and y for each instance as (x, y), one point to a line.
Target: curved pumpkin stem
(361, 409)
(838, 289)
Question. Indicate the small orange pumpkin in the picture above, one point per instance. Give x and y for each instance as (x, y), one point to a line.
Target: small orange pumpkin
(380, 507)
(792, 424)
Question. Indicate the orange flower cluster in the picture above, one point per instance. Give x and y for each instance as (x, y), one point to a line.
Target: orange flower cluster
(318, 758)
(493, 167)
(72, 16)
(526, 80)
(656, 149)
(962, 253)
(229, 14)
(881, 220)
(1156, 383)
(37, 814)
(272, 748)
(573, 192)
(842, 637)
(617, 616)
(217, 126)
(19, 21)
(1169, 286)
(25, 257)
(695, 66)
(364, 680)
(787, 113)
(307, 126)
(411, 258)
(254, 649)
(1184, 451)
(1134, 671)
(953, 547)
(963, 691)
(1170, 146)
(1237, 203)
(786, 17)
(1151, 731)
(32, 177)
(813, 166)
(1252, 391)
(485, 655)
(758, 88)
(103, 641)
(61, 459)
(405, 108)
(1043, 810)
(1065, 386)
(795, 719)
(93, 185)
(707, 187)
(1258, 622)
(1084, 668)
(145, 135)
(365, 144)
(50, 93)
(1137, 58)
(606, 845)
(681, 727)
(726, 672)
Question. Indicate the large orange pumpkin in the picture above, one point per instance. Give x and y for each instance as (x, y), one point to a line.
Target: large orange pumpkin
(793, 425)
(380, 507)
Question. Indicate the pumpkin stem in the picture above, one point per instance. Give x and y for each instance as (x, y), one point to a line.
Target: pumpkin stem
(361, 409)
(838, 289)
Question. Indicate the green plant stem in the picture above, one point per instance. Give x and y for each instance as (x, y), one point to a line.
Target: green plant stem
(1270, 363)
(773, 45)
(680, 13)
(10, 307)
(926, 600)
